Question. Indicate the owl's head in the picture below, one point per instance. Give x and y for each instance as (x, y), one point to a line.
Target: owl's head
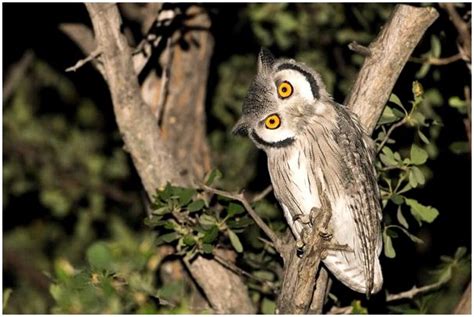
(281, 99)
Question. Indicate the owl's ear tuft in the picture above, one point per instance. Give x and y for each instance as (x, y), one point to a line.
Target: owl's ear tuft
(265, 60)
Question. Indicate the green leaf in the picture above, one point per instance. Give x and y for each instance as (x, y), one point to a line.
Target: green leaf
(412, 179)
(196, 205)
(207, 221)
(6, 296)
(211, 234)
(397, 199)
(168, 237)
(388, 116)
(459, 147)
(418, 174)
(99, 256)
(424, 213)
(418, 156)
(460, 253)
(161, 211)
(388, 157)
(357, 308)
(212, 176)
(401, 219)
(435, 46)
(458, 103)
(185, 195)
(425, 68)
(189, 240)
(268, 306)
(207, 248)
(388, 249)
(423, 137)
(394, 98)
(234, 209)
(165, 193)
(235, 241)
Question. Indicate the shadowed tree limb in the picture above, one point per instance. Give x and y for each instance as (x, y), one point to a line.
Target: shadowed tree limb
(152, 150)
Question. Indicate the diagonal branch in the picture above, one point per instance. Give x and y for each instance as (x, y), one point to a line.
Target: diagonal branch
(277, 243)
(384, 60)
(415, 291)
(388, 55)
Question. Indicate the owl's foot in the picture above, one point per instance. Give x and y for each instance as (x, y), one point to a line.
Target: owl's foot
(302, 241)
(325, 234)
(334, 247)
(303, 218)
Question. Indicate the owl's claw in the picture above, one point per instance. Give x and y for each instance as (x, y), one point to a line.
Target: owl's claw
(325, 234)
(303, 218)
(303, 241)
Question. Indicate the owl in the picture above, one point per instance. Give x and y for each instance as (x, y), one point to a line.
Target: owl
(316, 146)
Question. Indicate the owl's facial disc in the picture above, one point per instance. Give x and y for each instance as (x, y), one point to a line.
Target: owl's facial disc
(272, 132)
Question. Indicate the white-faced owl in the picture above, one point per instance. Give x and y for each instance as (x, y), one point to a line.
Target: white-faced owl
(314, 144)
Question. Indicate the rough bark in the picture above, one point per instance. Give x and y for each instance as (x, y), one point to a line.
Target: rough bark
(385, 59)
(389, 53)
(155, 153)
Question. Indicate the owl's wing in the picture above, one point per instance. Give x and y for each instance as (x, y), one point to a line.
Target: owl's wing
(356, 214)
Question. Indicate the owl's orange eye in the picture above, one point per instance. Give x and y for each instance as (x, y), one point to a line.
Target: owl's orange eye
(285, 89)
(272, 122)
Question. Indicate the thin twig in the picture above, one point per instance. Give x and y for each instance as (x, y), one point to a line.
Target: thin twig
(242, 272)
(16, 74)
(93, 55)
(414, 292)
(437, 61)
(240, 197)
(360, 49)
(262, 194)
(387, 136)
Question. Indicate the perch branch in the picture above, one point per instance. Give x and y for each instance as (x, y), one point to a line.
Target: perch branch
(299, 280)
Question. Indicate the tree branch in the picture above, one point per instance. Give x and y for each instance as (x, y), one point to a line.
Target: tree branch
(389, 54)
(385, 58)
(414, 292)
(278, 244)
(153, 155)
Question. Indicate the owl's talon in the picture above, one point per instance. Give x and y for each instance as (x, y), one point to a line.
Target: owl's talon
(326, 235)
(304, 219)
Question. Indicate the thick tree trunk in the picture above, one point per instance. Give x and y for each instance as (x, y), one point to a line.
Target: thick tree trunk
(178, 152)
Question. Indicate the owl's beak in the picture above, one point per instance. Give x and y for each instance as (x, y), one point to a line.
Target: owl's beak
(241, 128)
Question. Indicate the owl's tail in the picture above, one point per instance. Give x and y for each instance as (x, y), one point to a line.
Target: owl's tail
(350, 267)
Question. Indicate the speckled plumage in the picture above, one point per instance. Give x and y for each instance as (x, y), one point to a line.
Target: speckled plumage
(319, 144)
